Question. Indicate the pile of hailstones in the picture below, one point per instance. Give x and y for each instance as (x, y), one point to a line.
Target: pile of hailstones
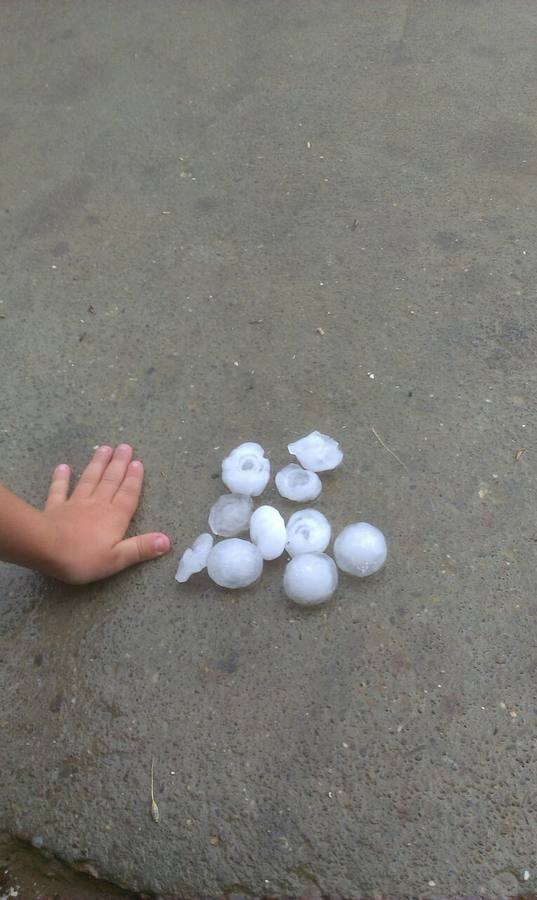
(311, 576)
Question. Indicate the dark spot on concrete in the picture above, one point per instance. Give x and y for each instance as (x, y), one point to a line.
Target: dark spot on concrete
(150, 370)
(206, 204)
(451, 704)
(448, 241)
(400, 54)
(68, 768)
(57, 207)
(485, 51)
(229, 664)
(92, 219)
(56, 704)
(68, 33)
(61, 249)
(506, 146)
(38, 659)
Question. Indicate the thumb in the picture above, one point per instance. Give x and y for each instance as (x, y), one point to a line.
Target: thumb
(141, 548)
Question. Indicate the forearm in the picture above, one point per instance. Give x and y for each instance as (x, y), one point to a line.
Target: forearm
(26, 537)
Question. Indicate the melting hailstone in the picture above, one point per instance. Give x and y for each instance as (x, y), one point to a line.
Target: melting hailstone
(267, 531)
(308, 531)
(298, 484)
(230, 514)
(360, 549)
(246, 470)
(317, 452)
(194, 559)
(234, 563)
(310, 578)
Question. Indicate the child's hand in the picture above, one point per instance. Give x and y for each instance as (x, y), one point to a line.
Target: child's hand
(87, 529)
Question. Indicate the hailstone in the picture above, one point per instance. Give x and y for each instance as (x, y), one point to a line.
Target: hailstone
(308, 531)
(194, 559)
(267, 531)
(230, 514)
(317, 452)
(360, 549)
(298, 484)
(246, 470)
(310, 578)
(234, 563)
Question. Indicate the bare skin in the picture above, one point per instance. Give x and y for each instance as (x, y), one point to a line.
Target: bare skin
(81, 538)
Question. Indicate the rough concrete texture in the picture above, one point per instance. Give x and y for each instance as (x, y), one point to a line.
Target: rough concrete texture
(189, 192)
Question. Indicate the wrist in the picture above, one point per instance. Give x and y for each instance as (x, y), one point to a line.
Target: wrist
(27, 535)
(45, 546)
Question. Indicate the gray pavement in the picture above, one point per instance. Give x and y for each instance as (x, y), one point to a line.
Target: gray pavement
(190, 190)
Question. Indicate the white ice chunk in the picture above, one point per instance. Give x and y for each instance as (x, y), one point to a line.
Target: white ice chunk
(308, 531)
(298, 484)
(194, 559)
(267, 531)
(246, 470)
(234, 563)
(310, 578)
(360, 549)
(317, 452)
(230, 514)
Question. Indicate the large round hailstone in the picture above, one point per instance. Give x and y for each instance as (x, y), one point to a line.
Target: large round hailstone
(360, 549)
(308, 531)
(234, 563)
(296, 483)
(317, 452)
(230, 514)
(267, 531)
(246, 470)
(310, 578)
(194, 559)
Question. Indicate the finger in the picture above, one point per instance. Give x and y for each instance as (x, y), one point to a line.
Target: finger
(140, 549)
(92, 474)
(114, 473)
(59, 486)
(128, 493)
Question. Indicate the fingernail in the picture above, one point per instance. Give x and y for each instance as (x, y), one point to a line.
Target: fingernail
(137, 464)
(124, 447)
(63, 467)
(162, 544)
(104, 448)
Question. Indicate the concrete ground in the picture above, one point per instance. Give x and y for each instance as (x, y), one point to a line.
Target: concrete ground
(230, 220)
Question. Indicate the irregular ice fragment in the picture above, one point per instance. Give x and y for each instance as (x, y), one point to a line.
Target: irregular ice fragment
(317, 452)
(308, 531)
(230, 514)
(267, 531)
(246, 470)
(360, 549)
(298, 484)
(194, 559)
(310, 578)
(234, 563)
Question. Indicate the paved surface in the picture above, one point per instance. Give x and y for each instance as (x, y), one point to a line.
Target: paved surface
(189, 191)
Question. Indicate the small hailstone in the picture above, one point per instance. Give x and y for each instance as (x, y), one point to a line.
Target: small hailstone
(234, 563)
(267, 531)
(360, 549)
(317, 452)
(194, 559)
(310, 578)
(246, 470)
(308, 531)
(230, 514)
(298, 484)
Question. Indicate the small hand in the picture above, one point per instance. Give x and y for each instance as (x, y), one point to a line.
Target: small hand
(88, 528)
